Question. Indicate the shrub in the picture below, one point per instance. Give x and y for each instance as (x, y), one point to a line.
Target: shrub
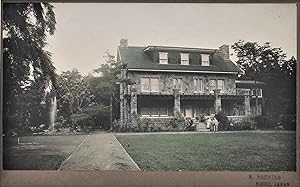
(244, 124)
(266, 122)
(224, 123)
(288, 121)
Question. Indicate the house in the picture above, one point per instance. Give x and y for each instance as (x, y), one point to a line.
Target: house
(192, 82)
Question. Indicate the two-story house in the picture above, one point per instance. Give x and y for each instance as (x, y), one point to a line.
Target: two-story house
(192, 82)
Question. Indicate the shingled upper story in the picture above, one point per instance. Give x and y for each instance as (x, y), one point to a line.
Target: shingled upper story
(189, 81)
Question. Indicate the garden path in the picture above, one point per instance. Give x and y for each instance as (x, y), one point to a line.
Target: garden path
(99, 151)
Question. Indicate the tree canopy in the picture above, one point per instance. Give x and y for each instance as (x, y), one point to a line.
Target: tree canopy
(26, 62)
(269, 65)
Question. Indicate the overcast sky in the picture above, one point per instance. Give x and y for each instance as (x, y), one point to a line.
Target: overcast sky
(85, 31)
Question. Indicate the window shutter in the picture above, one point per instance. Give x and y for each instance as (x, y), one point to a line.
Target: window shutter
(200, 59)
(210, 60)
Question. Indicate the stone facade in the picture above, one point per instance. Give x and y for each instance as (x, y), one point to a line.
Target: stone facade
(166, 82)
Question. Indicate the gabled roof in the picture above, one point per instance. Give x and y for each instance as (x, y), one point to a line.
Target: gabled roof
(137, 59)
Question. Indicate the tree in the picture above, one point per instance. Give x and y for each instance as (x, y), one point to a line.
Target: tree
(267, 64)
(73, 94)
(25, 28)
(106, 87)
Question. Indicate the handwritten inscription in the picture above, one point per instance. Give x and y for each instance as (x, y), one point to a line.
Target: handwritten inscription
(268, 180)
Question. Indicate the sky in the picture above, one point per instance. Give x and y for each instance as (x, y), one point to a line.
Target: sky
(84, 31)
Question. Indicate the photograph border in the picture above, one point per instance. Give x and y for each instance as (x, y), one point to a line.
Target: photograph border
(138, 178)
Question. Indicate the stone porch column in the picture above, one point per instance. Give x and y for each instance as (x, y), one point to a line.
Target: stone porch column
(133, 102)
(218, 103)
(176, 102)
(122, 106)
(247, 105)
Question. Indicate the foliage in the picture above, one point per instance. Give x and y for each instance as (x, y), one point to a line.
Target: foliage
(76, 103)
(106, 86)
(224, 123)
(26, 63)
(138, 124)
(269, 65)
(243, 124)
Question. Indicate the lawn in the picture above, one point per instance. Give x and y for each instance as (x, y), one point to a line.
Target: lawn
(47, 152)
(213, 151)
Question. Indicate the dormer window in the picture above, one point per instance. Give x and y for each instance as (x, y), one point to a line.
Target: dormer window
(184, 58)
(205, 59)
(163, 58)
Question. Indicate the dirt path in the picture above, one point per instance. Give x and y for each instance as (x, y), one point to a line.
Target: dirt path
(99, 151)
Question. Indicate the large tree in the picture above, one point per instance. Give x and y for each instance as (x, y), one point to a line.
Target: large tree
(106, 87)
(269, 65)
(25, 27)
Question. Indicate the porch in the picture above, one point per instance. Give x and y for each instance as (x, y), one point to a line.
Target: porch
(191, 106)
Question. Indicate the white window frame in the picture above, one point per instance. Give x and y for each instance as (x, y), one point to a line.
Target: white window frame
(163, 57)
(184, 59)
(145, 91)
(205, 59)
(209, 84)
(146, 114)
(175, 83)
(221, 91)
(165, 114)
(150, 85)
(252, 92)
(197, 82)
(150, 115)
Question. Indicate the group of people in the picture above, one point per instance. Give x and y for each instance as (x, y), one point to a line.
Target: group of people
(212, 123)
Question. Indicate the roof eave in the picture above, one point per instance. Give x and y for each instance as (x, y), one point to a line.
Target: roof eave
(182, 71)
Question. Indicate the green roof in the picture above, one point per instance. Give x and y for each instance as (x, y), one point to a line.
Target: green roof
(140, 59)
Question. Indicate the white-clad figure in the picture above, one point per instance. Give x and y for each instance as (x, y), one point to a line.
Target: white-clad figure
(208, 123)
(215, 123)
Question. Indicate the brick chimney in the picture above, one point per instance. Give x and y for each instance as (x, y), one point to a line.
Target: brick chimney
(124, 43)
(225, 50)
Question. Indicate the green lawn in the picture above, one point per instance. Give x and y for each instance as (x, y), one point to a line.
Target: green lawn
(213, 151)
(47, 153)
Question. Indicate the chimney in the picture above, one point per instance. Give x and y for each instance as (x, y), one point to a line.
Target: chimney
(225, 50)
(124, 43)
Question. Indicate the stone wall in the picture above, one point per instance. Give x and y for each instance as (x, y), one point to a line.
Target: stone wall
(166, 82)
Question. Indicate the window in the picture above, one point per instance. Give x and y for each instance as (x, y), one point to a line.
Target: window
(155, 112)
(177, 83)
(184, 58)
(205, 60)
(154, 84)
(145, 84)
(145, 112)
(258, 92)
(150, 84)
(216, 84)
(212, 85)
(163, 58)
(198, 85)
(163, 112)
(220, 84)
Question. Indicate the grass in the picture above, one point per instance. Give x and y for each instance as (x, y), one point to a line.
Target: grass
(47, 153)
(213, 151)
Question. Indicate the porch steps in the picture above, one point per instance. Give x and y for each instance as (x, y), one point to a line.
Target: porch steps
(201, 127)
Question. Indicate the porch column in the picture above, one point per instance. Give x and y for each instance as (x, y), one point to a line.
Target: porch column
(133, 102)
(218, 103)
(176, 102)
(122, 106)
(247, 105)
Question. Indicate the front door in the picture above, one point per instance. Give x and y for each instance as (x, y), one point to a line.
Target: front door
(188, 111)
